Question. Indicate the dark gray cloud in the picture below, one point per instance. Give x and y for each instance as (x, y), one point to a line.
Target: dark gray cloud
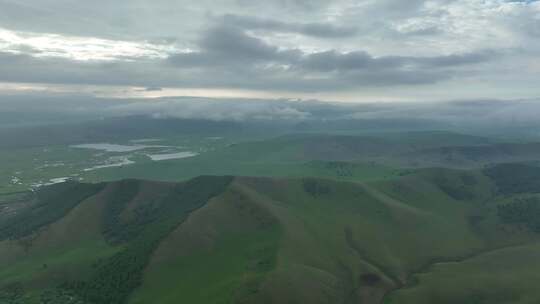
(226, 46)
(334, 61)
(229, 43)
(232, 49)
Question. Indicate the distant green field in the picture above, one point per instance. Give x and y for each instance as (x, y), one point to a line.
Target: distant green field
(29, 167)
(176, 170)
(357, 156)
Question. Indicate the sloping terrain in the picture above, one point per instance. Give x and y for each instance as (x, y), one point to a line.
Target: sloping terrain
(436, 236)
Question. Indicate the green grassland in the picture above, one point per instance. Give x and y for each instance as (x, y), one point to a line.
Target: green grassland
(289, 156)
(432, 236)
(347, 157)
(29, 167)
(338, 155)
(178, 170)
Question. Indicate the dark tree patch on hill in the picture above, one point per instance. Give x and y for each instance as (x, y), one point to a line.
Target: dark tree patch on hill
(315, 187)
(370, 279)
(457, 188)
(53, 203)
(12, 294)
(468, 179)
(341, 169)
(515, 178)
(264, 219)
(113, 229)
(523, 212)
(475, 220)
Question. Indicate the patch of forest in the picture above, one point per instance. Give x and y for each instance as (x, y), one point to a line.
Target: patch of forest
(515, 178)
(522, 212)
(52, 204)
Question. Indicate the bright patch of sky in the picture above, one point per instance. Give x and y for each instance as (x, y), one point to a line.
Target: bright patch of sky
(79, 48)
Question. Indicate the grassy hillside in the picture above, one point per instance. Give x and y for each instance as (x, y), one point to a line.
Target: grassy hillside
(434, 236)
(506, 275)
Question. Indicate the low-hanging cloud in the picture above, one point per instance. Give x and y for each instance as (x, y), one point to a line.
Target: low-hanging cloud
(453, 114)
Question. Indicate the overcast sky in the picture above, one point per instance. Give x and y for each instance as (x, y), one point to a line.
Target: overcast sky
(340, 50)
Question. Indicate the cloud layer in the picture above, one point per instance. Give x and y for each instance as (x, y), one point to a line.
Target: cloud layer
(431, 49)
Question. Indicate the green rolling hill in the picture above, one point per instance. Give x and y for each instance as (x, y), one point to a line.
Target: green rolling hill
(434, 236)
